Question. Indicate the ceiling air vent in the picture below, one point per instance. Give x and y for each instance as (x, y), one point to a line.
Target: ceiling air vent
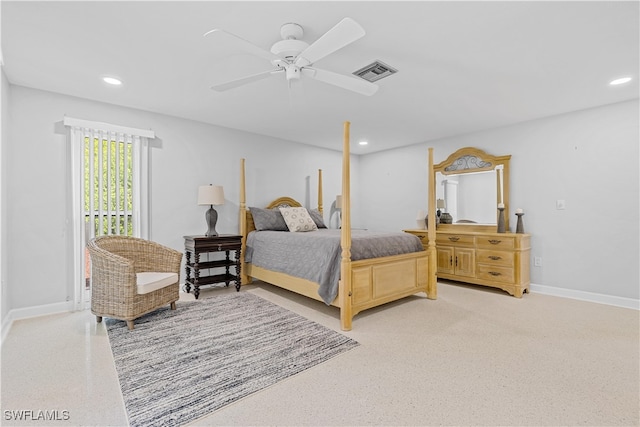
(376, 71)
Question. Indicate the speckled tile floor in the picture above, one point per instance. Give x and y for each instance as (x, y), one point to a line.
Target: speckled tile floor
(475, 356)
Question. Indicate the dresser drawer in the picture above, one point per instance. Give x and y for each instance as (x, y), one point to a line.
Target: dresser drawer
(495, 273)
(455, 239)
(491, 257)
(422, 236)
(496, 242)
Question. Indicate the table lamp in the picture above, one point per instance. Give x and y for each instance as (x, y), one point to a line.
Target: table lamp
(211, 195)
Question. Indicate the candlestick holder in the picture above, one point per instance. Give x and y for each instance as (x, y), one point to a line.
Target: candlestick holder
(501, 225)
(520, 225)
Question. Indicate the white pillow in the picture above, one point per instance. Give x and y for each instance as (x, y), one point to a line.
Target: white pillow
(298, 219)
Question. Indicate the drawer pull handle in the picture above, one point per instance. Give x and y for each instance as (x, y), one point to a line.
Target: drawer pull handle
(421, 236)
(219, 247)
(494, 257)
(454, 238)
(494, 241)
(495, 273)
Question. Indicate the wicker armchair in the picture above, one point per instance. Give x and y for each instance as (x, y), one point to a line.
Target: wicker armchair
(131, 277)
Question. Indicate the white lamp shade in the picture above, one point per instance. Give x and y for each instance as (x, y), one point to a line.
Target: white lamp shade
(440, 204)
(210, 195)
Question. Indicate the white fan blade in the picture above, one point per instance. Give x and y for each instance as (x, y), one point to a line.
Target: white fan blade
(345, 32)
(241, 44)
(244, 80)
(354, 84)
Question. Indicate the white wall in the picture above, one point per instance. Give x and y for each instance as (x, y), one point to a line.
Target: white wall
(189, 154)
(588, 158)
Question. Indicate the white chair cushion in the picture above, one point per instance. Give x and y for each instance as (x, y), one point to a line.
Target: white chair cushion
(150, 281)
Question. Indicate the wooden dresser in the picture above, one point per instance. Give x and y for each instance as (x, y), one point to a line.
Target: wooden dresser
(499, 260)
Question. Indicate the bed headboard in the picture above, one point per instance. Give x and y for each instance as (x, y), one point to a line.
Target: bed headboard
(284, 202)
(277, 203)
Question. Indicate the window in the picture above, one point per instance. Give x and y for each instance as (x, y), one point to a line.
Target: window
(108, 186)
(108, 172)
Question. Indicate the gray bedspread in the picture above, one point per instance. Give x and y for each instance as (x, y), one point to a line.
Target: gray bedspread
(315, 255)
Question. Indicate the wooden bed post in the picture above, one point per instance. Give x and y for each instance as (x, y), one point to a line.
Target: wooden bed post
(432, 281)
(346, 312)
(320, 191)
(244, 279)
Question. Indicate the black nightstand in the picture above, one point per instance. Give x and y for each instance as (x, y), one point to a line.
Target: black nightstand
(197, 245)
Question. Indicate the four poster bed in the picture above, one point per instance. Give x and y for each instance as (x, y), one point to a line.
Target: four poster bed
(371, 271)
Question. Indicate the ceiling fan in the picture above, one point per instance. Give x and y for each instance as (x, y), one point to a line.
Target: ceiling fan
(294, 57)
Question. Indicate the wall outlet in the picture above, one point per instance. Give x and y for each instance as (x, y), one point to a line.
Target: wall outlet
(537, 261)
(560, 204)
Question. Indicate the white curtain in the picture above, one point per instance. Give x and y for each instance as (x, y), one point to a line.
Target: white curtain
(116, 158)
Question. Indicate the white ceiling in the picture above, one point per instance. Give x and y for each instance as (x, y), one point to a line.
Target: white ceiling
(463, 66)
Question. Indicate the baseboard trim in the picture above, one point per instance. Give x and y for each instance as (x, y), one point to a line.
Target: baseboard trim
(586, 296)
(6, 325)
(36, 311)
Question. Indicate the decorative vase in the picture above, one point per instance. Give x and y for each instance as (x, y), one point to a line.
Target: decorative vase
(520, 225)
(446, 218)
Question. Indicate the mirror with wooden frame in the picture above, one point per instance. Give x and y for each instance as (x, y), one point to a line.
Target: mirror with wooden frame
(470, 185)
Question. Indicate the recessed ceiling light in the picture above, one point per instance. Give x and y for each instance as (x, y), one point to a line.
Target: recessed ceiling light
(112, 81)
(363, 143)
(620, 81)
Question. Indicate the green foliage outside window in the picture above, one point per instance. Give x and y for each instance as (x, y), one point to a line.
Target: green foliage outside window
(108, 191)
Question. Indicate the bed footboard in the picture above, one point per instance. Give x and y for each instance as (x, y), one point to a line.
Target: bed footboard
(374, 282)
(378, 281)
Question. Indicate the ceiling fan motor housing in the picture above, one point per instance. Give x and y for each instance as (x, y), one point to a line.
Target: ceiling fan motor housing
(290, 46)
(288, 49)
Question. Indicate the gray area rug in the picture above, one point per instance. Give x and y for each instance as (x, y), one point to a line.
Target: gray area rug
(178, 366)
